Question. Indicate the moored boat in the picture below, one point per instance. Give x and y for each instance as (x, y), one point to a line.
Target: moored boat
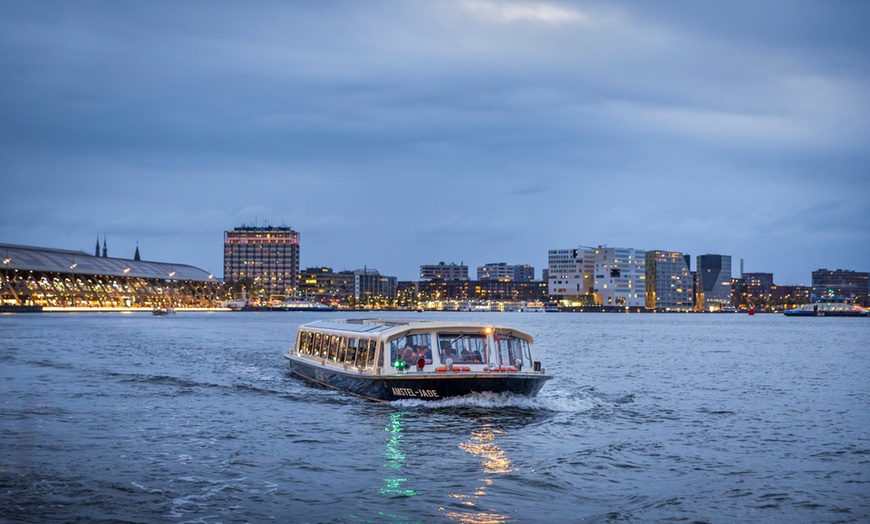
(395, 359)
(828, 308)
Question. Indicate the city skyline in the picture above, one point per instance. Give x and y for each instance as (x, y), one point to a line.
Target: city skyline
(395, 134)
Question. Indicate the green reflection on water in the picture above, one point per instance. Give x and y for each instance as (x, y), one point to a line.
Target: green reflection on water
(395, 459)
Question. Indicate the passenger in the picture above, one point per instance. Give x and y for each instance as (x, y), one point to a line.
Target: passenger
(476, 356)
(466, 355)
(425, 353)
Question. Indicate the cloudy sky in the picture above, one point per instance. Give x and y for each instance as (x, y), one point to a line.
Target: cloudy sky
(392, 134)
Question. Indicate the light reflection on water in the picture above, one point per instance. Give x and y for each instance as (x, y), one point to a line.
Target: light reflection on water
(493, 462)
(395, 459)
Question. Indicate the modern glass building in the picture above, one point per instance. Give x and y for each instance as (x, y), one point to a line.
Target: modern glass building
(264, 259)
(713, 289)
(668, 281)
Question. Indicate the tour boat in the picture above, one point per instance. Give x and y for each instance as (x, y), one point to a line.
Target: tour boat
(388, 360)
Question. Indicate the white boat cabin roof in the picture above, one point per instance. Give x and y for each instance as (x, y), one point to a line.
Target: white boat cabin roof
(388, 328)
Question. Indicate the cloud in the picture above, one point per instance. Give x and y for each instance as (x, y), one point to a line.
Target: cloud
(513, 12)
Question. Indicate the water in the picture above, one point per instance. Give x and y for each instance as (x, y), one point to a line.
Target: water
(193, 418)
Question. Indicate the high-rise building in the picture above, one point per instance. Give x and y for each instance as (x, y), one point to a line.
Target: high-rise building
(570, 272)
(620, 277)
(713, 289)
(266, 259)
(668, 281)
(442, 271)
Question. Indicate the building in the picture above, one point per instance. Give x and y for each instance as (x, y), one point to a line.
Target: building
(570, 274)
(481, 290)
(620, 277)
(842, 283)
(753, 289)
(57, 278)
(322, 283)
(372, 288)
(713, 286)
(668, 281)
(506, 272)
(442, 271)
(265, 260)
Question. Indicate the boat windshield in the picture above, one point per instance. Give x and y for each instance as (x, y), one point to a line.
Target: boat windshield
(464, 348)
(512, 351)
(410, 348)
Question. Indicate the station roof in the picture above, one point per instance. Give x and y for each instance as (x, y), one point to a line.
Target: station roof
(26, 258)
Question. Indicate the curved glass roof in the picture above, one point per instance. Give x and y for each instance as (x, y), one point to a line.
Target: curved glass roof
(28, 258)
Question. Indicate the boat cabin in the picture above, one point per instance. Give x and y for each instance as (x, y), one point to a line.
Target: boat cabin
(377, 346)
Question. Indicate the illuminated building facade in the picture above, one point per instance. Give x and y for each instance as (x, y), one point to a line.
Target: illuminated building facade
(263, 259)
(713, 287)
(57, 278)
(442, 271)
(570, 272)
(668, 281)
(620, 277)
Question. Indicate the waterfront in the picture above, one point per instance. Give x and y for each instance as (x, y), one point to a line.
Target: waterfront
(193, 418)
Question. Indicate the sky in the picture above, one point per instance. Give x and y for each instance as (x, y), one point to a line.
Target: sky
(392, 134)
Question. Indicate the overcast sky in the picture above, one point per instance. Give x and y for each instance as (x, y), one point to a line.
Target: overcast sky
(392, 134)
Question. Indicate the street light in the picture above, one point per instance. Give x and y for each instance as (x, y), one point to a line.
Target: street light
(6, 262)
(73, 268)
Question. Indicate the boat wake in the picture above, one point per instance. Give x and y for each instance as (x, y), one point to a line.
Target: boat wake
(576, 403)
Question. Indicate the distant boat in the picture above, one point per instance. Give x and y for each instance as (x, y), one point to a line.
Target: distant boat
(829, 307)
(160, 311)
(291, 304)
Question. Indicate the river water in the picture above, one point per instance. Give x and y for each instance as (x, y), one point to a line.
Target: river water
(110, 417)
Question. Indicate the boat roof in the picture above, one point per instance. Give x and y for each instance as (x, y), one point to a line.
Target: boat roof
(391, 327)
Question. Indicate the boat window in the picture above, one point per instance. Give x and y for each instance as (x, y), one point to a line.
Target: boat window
(342, 349)
(352, 345)
(373, 350)
(306, 339)
(410, 348)
(362, 352)
(302, 343)
(468, 348)
(315, 350)
(333, 347)
(509, 349)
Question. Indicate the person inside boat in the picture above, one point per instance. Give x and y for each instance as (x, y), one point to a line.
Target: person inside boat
(447, 352)
(425, 353)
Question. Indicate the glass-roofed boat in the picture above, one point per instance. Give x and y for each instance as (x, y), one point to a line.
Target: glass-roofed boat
(388, 360)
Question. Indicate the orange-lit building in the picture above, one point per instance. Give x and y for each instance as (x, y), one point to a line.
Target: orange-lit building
(264, 259)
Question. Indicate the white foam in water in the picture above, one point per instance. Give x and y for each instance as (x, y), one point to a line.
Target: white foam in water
(572, 404)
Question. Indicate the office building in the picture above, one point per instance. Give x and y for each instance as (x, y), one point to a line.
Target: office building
(713, 286)
(844, 283)
(506, 272)
(442, 271)
(620, 277)
(570, 273)
(668, 281)
(265, 260)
